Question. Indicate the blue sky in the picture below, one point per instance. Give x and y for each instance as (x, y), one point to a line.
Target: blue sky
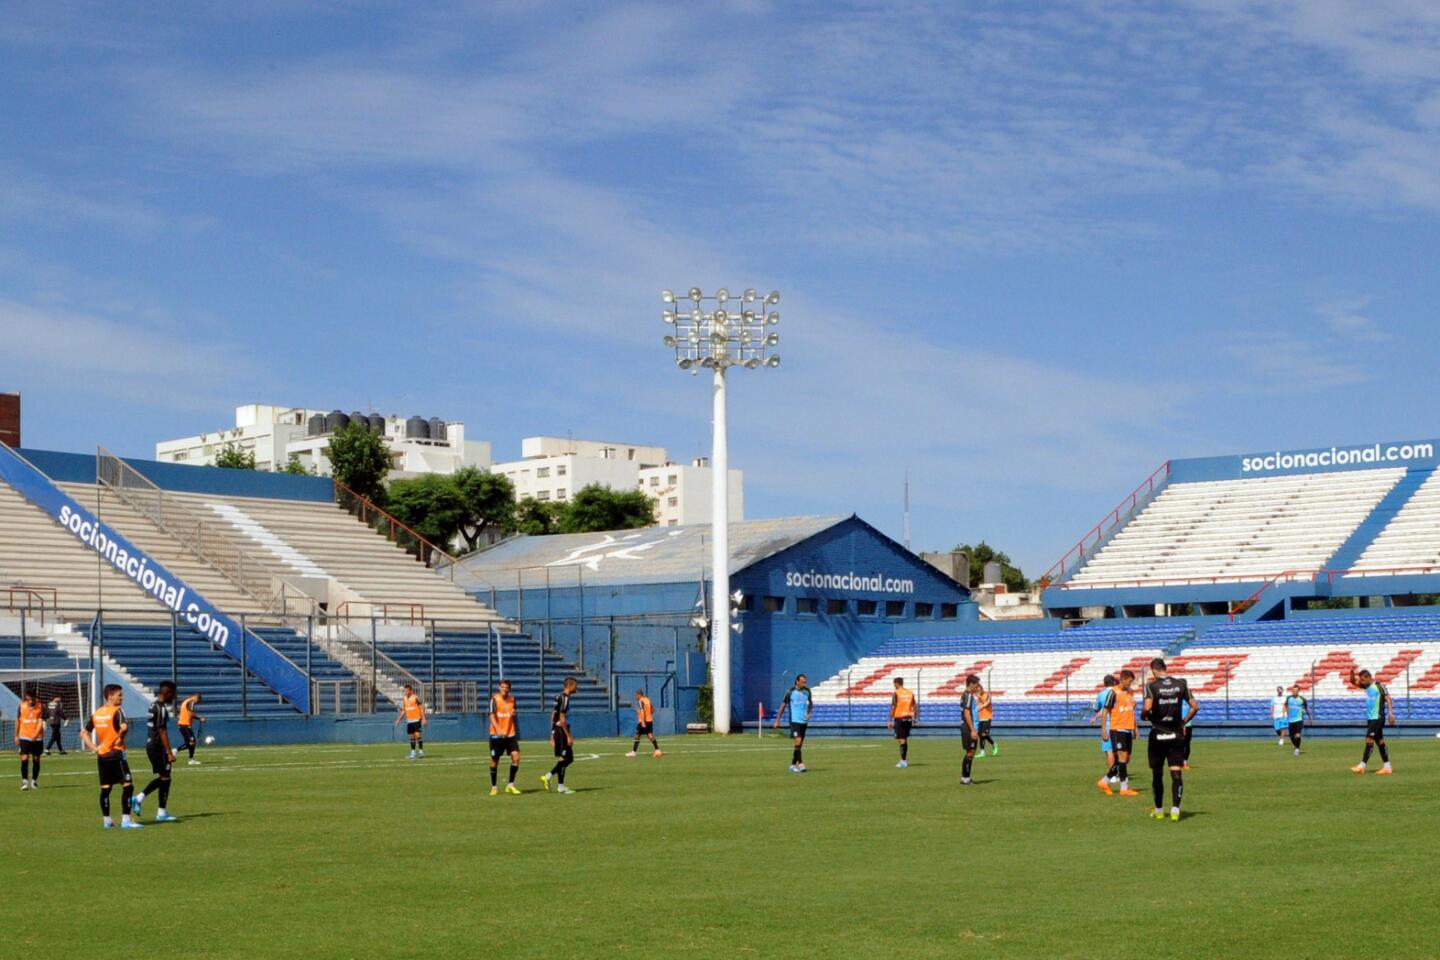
(1028, 251)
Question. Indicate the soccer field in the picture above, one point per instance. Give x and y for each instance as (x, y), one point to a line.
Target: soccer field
(716, 850)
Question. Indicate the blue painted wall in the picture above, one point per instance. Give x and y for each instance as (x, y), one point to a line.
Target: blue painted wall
(182, 478)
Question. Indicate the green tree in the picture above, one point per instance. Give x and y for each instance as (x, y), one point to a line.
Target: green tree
(429, 504)
(294, 466)
(234, 458)
(981, 554)
(596, 508)
(360, 460)
(538, 517)
(487, 503)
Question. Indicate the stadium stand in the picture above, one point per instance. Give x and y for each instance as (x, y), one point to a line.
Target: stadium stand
(1233, 668)
(1238, 529)
(1412, 537)
(472, 657)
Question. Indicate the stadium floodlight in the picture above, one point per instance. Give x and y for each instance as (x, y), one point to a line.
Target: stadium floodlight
(717, 339)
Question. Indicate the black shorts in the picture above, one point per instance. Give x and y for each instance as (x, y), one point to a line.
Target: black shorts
(1167, 752)
(414, 727)
(902, 727)
(187, 736)
(984, 729)
(645, 729)
(1122, 740)
(563, 748)
(501, 746)
(32, 748)
(967, 739)
(1375, 730)
(1296, 727)
(159, 758)
(113, 769)
(797, 730)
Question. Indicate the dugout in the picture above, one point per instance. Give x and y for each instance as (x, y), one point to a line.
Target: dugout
(817, 593)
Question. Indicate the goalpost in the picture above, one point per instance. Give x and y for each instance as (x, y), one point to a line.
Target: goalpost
(70, 686)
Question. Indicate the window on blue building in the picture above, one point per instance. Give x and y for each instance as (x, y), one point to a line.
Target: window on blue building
(774, 604)
(807, 605)
(894, 608)
(867, 608)
(949, 611)
(836, 608)
(924, 611)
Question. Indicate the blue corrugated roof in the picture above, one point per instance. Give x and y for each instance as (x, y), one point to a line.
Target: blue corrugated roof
(652, 555)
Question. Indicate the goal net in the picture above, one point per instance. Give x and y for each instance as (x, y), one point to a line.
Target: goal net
(70, 687)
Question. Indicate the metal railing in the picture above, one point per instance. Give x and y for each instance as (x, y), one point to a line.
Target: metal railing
(32, 593)
(204, 537)
(1113, 519)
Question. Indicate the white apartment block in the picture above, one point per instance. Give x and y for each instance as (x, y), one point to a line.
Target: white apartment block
(554, 468)
(273, 433)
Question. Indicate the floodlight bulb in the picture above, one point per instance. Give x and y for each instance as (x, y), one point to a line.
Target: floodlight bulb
(774, 297)
(670, 342)
(695, 294)
(696, 316)
(708, 362)
(684, 363)
(772, 361)
(772, 318)
(694, 336)
(669, 316)
(722, 295)
(748, 316)
(722, 316)
(772, 340)
(718, 337)
(752, 363)
(750, 295)
(668, 296)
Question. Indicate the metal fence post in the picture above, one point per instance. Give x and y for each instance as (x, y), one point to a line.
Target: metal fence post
(434, 671)
(1314, 691)
(374, 660)
(244, 668)
(540, 649)
(22, 652)
(490, 654)
(310, 660)
(500, 653)
(174, 649)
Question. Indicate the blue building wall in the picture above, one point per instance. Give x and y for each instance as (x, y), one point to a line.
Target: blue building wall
(184, 478)
(651, 631)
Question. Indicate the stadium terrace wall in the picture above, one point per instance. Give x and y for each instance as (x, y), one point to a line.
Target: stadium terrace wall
(534, 730)
(775, 643)
(1410, 454)
(184, 478)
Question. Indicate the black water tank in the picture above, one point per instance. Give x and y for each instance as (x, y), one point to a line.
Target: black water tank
(437, 428)
(416, 428)
(316, 425)
(377, 424)
(357, 417)
(336, 421)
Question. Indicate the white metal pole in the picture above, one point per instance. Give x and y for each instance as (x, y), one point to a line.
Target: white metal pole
(720, 562)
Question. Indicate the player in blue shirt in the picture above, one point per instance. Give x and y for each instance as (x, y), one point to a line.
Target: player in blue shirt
(1297, 712)
(1102, 717)
(798, 701)
(1378, 707)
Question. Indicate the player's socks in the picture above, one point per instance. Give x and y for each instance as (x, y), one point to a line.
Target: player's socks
(25, 771)
(34, 772)
(1122, 769)
(1157, 788)
(1369, 748)
(795, 757)
(495, 777)
(904, 751)
(965, 769)
(1177, 788)
(514, 769)
(1384, 756)
(635, 747)
(105, 802)
(127, 795)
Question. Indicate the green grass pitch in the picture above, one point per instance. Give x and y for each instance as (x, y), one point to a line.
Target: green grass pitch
(716, 850)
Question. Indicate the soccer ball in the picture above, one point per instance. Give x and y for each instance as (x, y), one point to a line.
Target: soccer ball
(209, 741)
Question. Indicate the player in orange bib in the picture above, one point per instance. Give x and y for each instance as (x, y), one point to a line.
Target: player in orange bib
(504, 738)
(904, 714)
(987, 713)
(1120, 708)
(644, 725)
(412, 711)
(185, 723)
(30, 738)
(104, 733)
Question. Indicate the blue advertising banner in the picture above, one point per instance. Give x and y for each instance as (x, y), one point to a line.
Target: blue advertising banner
(151, 577)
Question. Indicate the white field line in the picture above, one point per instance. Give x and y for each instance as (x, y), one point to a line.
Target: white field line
(446, 761)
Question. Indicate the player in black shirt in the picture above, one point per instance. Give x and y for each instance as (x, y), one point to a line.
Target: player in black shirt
(157, 748)
(969, 725)
(560, 737)
(1169, 708)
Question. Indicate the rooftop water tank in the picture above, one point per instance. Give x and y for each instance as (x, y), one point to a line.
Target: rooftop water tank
(416, 428)
(377, 424)
(437, 428)
(336, 421)
(316, 425)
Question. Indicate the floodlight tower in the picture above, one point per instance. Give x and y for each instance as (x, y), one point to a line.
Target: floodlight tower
(716, 333)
